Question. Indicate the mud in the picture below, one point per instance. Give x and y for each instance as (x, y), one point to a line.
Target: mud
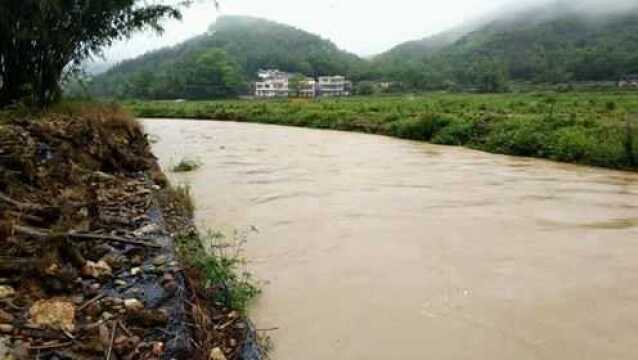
(88, 268)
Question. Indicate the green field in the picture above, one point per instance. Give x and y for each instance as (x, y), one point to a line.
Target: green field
(594, 128)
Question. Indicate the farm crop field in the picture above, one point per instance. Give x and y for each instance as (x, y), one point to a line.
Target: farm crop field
(593, 128)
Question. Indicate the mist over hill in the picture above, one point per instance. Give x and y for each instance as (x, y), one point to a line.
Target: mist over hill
(221, 62)
(548, 42)
(552, 42)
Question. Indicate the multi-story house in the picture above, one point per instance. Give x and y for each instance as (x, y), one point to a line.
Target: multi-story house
(274, 83)
(334, 86)
(307, 88)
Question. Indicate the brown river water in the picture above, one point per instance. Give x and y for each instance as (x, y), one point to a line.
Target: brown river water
(379, 248)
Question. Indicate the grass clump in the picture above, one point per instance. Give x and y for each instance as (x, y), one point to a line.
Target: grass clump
(181, 199)
(221, 268)
(186, 165)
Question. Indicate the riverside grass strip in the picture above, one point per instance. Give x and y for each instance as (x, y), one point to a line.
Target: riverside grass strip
(591, 128)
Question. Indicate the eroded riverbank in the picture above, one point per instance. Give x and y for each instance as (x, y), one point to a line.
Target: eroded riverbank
(378, 248)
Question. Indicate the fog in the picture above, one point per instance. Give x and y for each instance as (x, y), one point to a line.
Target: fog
(364, 27)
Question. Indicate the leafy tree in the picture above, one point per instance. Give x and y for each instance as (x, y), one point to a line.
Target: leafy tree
(41, 39)
(295, 84)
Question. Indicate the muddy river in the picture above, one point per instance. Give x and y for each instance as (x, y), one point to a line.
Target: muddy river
(379, 248)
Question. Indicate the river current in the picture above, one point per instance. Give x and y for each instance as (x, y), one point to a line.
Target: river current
(378, 248)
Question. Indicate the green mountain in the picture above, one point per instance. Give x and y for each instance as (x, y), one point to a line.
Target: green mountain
(221, 62)
(553, 43)
(561, 41)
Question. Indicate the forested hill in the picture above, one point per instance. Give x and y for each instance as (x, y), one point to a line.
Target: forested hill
(552, 43)
(222, 62)
(557, 43)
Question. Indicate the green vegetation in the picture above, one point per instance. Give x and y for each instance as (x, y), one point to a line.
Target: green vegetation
(186, 165)
(571, 127)
(221, 63)
(547, 44)
(40, 40)
(554, 44)
(221, 268)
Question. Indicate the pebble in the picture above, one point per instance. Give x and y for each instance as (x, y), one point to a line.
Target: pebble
(107, 315)
(160, 260)
(136, 271)
(217, 354)
(120, 283)
(5, 317)
(6, 291)
(133, 305)
(6, 328)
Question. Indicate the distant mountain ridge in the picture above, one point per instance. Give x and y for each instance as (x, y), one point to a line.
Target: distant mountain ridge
(559, 41)
(247, 44)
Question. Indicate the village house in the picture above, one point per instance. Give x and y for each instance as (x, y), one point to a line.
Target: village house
(273, 83)
(334, 86)
(307, 88)
(628, 81)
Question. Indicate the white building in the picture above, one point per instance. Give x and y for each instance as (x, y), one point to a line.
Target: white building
(307, 88)
(334, 86)
(274, 83)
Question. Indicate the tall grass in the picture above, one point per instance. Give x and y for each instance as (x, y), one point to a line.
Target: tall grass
(587, 128)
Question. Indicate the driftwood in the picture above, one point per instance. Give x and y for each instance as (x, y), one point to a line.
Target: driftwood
(13, 264)
(45, 235)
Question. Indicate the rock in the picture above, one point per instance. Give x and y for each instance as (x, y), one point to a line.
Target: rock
(120, 283)
(136, 271)
(133, 305)
(147, 229)
(160, 260)
(107, 315)
(158, 348)
(56, 314)
(5, 317)
(148, 318)
(115, 261)
(6, 328)
(98, 270)
(6, 291)
(217, 354)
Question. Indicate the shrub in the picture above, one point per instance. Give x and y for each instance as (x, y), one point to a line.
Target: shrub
(221, 267)
(458, 132)
(186, 165)
(421, 128)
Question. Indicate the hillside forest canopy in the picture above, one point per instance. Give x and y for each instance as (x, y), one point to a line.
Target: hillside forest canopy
(544, 45)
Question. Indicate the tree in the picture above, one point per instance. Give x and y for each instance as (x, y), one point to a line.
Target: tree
(295, 84)
(42, 39)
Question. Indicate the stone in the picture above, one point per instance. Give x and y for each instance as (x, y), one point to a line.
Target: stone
(136, 271)
(6, 328)
(160, 260)
(5, 317)
(133, 305)
(147, 229)
(217, 354)
(6, 291)
(56, 314)
(98, 270)
(107, 315)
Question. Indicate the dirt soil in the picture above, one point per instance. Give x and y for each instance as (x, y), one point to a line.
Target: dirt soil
(88, 269)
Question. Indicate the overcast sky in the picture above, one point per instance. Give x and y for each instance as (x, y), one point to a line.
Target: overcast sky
(364, 27)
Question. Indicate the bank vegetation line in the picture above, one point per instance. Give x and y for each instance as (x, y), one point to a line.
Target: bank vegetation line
(591, 128)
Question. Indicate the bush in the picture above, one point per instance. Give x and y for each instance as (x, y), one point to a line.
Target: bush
(458, 132)
(221, 267)
(421, 128)
(186, 165)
